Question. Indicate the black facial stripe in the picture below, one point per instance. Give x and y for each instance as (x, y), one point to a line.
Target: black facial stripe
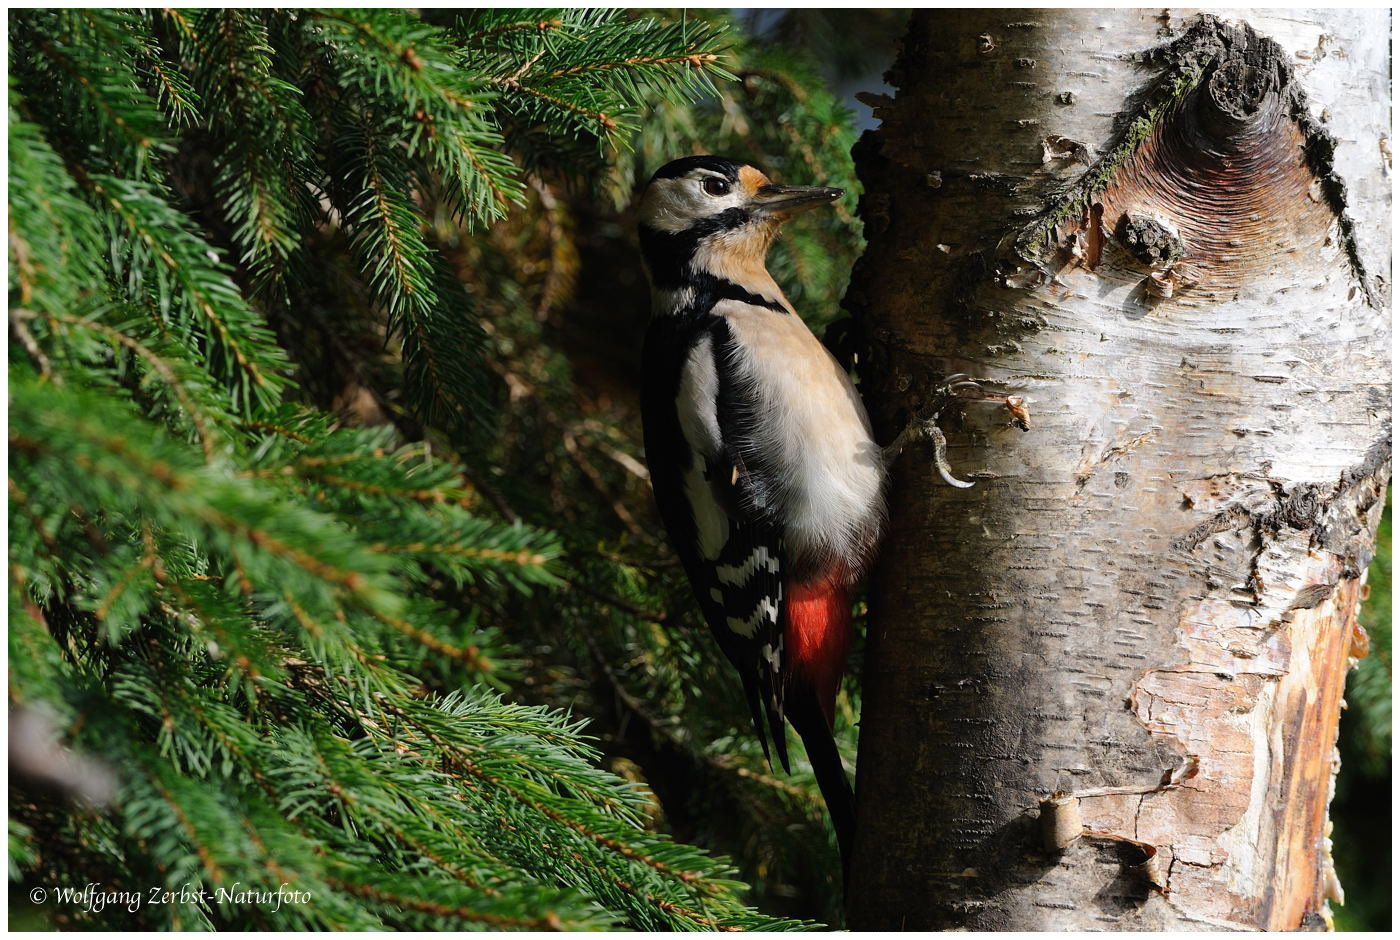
(668, 254)
(710, 290)
(725, 167)
(731, 218)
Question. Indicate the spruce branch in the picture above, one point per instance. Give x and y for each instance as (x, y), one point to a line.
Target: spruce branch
(289, 634)
(162, 248)
(176, 378)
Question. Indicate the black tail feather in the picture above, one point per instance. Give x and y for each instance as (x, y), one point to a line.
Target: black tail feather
(767, 723)
(810, 723)
(779, 732)
(756, 710)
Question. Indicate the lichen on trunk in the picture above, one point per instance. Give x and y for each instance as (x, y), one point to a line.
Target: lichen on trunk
(1163, 572)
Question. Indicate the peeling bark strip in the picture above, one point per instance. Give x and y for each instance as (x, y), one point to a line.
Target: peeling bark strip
(1163, 571)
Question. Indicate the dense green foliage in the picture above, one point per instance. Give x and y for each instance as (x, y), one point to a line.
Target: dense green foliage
(327, 522)
(1361, 810)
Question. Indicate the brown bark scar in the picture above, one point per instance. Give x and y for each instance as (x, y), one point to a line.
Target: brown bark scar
(1256, 692)
(1226, 166)
(1114, 452)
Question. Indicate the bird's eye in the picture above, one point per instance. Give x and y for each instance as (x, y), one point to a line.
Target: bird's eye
(715, 186)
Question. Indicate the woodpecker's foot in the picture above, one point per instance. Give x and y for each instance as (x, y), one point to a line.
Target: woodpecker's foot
(956, 388)
(928, 430)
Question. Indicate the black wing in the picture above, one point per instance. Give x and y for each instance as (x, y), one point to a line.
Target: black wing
(740, 588)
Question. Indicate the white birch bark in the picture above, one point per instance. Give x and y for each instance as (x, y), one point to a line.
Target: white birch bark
(1159, 578)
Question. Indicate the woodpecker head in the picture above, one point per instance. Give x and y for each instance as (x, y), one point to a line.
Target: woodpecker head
(713, 216)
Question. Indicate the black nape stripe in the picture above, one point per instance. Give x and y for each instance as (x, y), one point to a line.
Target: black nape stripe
(727, 168)
(728, 290)
(668, 254)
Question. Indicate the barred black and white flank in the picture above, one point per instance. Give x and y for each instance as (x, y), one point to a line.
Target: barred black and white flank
(761, 456)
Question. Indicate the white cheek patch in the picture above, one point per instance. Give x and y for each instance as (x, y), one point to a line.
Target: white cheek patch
(663, 209)
(674, 205)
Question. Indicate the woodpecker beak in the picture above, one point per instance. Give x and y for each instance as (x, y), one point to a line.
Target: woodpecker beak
(778, 201)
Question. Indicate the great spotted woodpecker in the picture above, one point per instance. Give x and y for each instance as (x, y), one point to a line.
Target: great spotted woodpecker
(761, 455)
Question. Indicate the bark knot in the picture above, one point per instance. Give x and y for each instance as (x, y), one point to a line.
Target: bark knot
(1221, 145)
(1249, 75)
(1150, 240)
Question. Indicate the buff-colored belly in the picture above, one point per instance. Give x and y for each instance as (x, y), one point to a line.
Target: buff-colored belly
(815, 425)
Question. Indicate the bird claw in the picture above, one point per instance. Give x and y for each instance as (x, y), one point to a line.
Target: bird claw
(952, 390)
(926, 429)
(940, 456)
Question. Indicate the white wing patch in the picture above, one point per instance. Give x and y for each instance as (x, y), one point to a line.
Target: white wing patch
(741, 574)
(671, 301)
(711, 521)
(698, 414)
(773, 654)
(765, 612)
(696, 399)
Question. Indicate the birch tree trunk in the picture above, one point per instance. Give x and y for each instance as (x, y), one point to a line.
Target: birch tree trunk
(1102, 685)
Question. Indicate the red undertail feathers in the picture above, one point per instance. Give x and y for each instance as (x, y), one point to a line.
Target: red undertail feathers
(817, 634)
